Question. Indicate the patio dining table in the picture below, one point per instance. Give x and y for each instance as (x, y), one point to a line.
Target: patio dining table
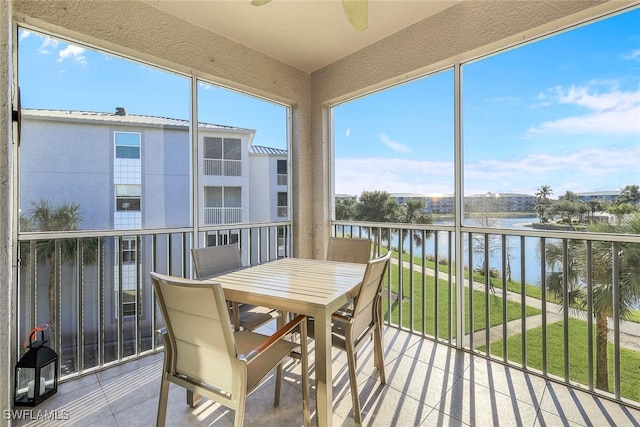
(306, 286)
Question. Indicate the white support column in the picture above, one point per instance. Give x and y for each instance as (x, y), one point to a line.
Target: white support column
(459, 200)
(7, 206)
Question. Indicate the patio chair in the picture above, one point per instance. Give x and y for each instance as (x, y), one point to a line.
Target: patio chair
(349, 250)
(204, 355)
(351, 328)
(215, 260)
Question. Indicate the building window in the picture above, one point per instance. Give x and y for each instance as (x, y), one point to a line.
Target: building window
(282, 204)
(222, 156)
(216, 239)
(222, 205)
(128, 250)
(129, 302)
(128, 197)
(130, 299)
(127, 145)
(127, 270)
(282, 172)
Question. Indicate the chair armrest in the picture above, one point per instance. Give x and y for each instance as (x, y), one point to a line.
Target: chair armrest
(342, 316)
(164, 334)
(271, 340)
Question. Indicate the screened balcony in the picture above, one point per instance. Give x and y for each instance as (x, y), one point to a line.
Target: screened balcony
(460, 347)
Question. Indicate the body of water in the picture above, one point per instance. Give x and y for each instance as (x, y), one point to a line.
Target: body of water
(531, 262)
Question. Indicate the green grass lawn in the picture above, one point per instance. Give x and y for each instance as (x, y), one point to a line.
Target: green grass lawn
(512, 286)
(445, 307)
(578, 353)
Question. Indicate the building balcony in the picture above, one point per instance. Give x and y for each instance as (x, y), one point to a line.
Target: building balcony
(218, 216)
(530, 359)
(219, 167)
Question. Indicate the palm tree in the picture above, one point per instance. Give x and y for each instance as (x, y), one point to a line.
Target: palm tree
(345, 209)
(377, 206)
(543, 204)
(628, 255)
(630, 194)
(543, 192)
(65, 217)
(412, 212)
(595, 205)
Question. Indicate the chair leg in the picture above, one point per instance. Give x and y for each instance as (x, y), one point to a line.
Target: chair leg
(193, 399)
(378, 341)
(305, 373)
(162, 401)
(351, 357)
(276, 396)
(379, 354)
(238, 419)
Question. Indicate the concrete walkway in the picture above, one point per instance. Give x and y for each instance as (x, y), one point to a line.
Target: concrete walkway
(629, 331)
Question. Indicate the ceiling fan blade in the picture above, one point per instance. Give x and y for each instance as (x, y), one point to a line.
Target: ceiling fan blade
(259, 2)
(357, 12)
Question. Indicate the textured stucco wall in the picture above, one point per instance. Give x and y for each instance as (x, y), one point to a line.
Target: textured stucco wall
(137, 29)
(461, 32)
(6, 285)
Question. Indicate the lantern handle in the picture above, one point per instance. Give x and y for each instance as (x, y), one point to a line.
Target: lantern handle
(34, 331)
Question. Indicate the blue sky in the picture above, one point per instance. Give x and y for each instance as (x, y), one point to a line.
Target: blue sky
(57, 75)
(563, 111)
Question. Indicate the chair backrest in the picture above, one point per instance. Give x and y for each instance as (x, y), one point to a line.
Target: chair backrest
(370, 288)
(199, 330)
(215, 260)
(349, 250)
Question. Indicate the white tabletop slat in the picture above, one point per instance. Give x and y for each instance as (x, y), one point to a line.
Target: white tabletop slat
(292, 281)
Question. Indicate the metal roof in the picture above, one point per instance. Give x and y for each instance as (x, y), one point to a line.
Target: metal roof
(121, 118)
(260, 149)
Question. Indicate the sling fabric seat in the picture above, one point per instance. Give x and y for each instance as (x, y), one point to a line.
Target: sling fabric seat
(215, 260)
(207, 357)
(352, 327)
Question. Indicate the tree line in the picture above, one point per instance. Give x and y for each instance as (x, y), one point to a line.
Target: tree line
(568, 207)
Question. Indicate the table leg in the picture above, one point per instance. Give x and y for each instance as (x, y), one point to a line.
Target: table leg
(324, 376)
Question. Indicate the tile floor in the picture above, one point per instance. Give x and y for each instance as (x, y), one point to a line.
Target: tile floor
(428, 384)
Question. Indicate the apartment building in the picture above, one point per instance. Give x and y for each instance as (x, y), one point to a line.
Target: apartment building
(120, 168)
(132, 172)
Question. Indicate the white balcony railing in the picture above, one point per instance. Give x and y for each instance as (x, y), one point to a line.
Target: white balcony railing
(218, 167)
(222, 216)
(96, 323)
(510, 319)
(527, 319)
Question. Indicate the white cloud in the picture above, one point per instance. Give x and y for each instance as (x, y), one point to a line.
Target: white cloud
(347, 133)
(47, 46)
(587, 169)
(353, 175)
(610, 111)
(625, 122)
(394, 145)
(24, 34)
(593, 166)
(633, 55)
(510, 99)
(75, 53)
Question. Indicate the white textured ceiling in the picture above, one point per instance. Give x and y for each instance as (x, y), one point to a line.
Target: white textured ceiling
(307, 34)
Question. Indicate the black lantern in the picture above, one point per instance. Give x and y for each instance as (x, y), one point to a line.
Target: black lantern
(36, 376)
